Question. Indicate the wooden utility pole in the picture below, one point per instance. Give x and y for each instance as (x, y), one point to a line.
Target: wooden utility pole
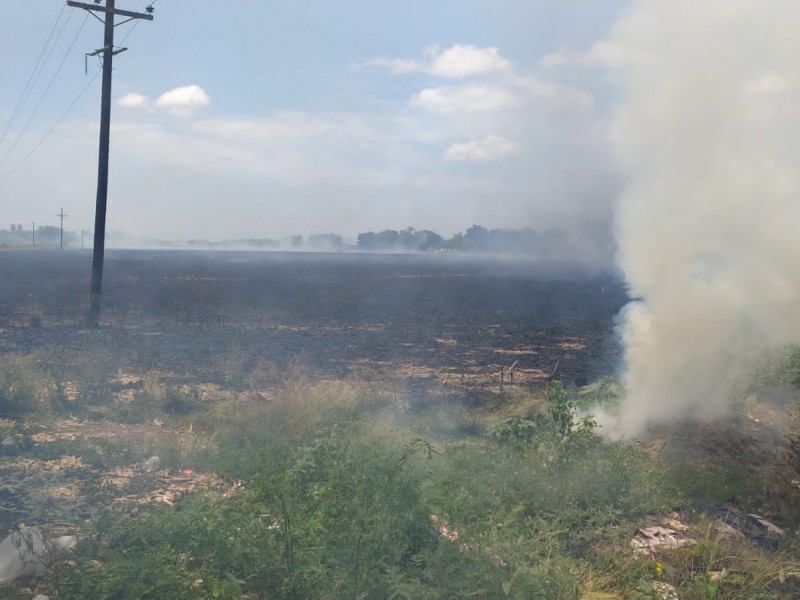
(33, 233)
(107, 51)
(62, 215)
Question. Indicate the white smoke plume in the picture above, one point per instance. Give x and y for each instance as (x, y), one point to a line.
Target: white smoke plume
(708, 228)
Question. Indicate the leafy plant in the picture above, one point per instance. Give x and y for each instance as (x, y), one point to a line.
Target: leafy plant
(516, 429)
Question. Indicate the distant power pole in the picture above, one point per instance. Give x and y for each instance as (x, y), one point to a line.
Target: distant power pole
(62, 215)
(33, 233)
(108, 51)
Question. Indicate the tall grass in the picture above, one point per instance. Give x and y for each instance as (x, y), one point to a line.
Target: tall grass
(344, 497)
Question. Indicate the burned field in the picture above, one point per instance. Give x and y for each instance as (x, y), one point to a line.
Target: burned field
(439, 318)
(267, 425)
(184, 333)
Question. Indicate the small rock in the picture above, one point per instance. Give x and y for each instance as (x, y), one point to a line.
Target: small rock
(66, 542)
(41, 597)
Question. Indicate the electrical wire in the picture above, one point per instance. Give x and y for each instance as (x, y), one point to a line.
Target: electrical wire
(130, 31)
(53, 126)
(30, 83)
(44, 94)
(68, 109)
(135, 24)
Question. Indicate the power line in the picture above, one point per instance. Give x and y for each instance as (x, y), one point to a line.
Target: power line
(44, 94)
(28, 84)
(67, 110)
(52, 127)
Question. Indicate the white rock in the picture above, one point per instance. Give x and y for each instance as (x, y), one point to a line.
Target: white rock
(66, 542)
(22, 554)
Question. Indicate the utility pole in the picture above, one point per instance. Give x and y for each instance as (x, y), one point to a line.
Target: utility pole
(107, 51)
(62, 215)
(33, 233)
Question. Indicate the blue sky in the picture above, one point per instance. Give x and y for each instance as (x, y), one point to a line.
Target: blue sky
(266, 119)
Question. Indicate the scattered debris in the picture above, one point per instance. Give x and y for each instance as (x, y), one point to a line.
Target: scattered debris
(443, 529)
(674, 522)
(25, 553)
(647, 541)
(718, 575)
(151, 464)
(163, 489)
(664, 591)
(753, 526)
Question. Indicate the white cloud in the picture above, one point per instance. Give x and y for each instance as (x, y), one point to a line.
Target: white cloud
(183, 100)
(468, 98)
(493, 147)
(398, 66)
(284, 127)
(133, 100)
(459, 60)
(602, 54)
(462, 60)
(558, 95)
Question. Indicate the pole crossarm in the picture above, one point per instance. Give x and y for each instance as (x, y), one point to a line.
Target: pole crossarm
(115, 11)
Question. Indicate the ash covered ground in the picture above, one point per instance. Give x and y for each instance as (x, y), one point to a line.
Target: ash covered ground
(423, 316)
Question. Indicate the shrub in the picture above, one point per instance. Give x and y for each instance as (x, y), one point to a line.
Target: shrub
(21, 388)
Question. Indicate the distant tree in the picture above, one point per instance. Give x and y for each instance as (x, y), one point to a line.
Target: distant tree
(326, 241)
(455, 243)
(387, 239)
(405, 238)
(13, 228)
(367, 240)
(47, 234)
(476, 238)
(429, 240)
(408, 239)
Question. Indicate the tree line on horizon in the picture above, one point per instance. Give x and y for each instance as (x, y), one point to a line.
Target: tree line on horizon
(475, 239)
(45, 235)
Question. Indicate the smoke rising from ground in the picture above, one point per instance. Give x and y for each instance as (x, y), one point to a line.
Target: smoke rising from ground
(708, 229)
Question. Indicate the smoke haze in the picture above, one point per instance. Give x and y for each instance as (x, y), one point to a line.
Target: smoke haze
(707, 228)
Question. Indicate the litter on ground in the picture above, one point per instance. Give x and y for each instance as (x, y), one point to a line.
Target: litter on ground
(649, 540)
